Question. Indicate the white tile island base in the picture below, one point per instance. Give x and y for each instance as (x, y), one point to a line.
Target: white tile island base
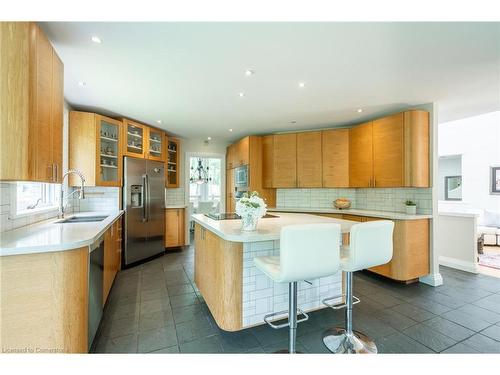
(236, 292)
(263, 296)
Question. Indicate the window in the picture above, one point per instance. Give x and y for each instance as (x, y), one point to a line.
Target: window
(211, 190)
(35, 197)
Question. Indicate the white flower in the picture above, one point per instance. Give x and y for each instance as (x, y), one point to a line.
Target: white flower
(251, 205)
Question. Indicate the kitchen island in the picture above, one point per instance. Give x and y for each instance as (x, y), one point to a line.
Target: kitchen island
(236, 292)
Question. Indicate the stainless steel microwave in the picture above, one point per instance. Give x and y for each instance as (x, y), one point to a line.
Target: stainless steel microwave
(241, 178)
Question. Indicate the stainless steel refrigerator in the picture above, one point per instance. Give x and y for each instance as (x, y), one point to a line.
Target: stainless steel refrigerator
(144, 202)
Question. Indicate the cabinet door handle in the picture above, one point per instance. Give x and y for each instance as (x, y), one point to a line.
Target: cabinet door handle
(374, 182)
(56, 166)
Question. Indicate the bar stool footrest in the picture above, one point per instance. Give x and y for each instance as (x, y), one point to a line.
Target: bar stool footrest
(327, 303)
(268, 318)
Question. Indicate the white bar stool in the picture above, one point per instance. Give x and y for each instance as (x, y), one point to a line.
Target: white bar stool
(307, 251)
(370, 246)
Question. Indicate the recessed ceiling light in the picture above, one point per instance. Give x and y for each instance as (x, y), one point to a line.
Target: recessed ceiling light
(302, 84)
(158, 121)
(82, 83)
(96, 39)
(249, 72)
(241, 94)
(360, 110)
(209, 138)
(230, 130)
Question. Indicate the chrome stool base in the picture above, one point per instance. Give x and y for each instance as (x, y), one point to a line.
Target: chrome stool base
(339, 342)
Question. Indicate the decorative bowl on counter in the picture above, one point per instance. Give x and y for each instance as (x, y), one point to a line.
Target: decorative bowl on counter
(342, 203)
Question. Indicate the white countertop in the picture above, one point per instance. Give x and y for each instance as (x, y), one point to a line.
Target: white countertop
(175, 206)
(353, 211)
(50, 235)
(267, 229)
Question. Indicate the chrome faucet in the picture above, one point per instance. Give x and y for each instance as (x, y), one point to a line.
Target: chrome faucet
(81, 191)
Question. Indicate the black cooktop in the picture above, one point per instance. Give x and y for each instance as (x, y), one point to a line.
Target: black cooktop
(232, 216)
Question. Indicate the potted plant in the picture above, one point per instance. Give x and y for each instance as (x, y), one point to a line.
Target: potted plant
(411, 207)
(250, 207)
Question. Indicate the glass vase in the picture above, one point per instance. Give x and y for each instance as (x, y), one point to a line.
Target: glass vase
(249, 223)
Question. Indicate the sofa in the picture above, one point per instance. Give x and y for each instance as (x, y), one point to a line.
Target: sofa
(489, 227)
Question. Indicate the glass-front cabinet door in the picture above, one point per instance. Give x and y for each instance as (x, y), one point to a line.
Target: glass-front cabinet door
(173, 162)
(109, 165)
(156, 145)
(134, 135)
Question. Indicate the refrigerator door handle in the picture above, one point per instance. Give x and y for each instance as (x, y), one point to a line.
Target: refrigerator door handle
(144, 198)
(148, 198)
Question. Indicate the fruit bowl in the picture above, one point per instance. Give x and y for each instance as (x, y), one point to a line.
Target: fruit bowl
(342, 203)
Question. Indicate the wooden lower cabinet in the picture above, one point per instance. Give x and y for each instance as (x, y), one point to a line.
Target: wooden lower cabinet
(218, 273)
(174, 227)
(410, 259)
(44, 302)
(112, 257)
(230, 200)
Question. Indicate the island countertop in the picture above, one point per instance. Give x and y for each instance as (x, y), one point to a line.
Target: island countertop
(268, 229)
(52, 235)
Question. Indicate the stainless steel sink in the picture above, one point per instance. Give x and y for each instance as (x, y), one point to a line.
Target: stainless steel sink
(82, 219)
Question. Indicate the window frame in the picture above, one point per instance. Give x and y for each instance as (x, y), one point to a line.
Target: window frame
(24, 212)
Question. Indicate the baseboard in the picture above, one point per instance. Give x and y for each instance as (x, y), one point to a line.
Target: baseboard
(458, 264)
(434, 279)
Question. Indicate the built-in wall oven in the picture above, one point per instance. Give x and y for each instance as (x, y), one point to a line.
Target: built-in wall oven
(241, 181)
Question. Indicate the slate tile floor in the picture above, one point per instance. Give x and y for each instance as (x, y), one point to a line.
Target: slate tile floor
(156, 308)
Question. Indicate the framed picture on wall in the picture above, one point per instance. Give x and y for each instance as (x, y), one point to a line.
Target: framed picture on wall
(495, 180)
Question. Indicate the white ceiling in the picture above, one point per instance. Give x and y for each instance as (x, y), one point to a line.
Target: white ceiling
(189, 74)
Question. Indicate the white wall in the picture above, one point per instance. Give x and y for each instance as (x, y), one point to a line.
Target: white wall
(477, 139)
(456, 241)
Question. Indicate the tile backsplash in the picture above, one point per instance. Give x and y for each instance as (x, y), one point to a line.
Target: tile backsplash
(96, 199)
(174, 197)
(368, 199)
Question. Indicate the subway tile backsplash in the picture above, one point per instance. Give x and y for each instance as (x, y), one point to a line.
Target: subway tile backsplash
(368, 199)
(174, 197)
(96, 199)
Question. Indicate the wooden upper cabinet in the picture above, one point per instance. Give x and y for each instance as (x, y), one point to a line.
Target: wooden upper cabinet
(416, 149)
(95, 149)
(335, 149)
(41, 81)
(155, 144)
(285, 161)
(46, 113)
(32, 101)
(267, 161)
(57, 116)
(238, 153)
(134, 136)
(388, 156)
(173, 177)
(309, 165)
(243, 152)
(109, 139)
(361, 155)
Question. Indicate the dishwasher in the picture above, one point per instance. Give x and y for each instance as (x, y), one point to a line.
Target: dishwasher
(96, 267)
